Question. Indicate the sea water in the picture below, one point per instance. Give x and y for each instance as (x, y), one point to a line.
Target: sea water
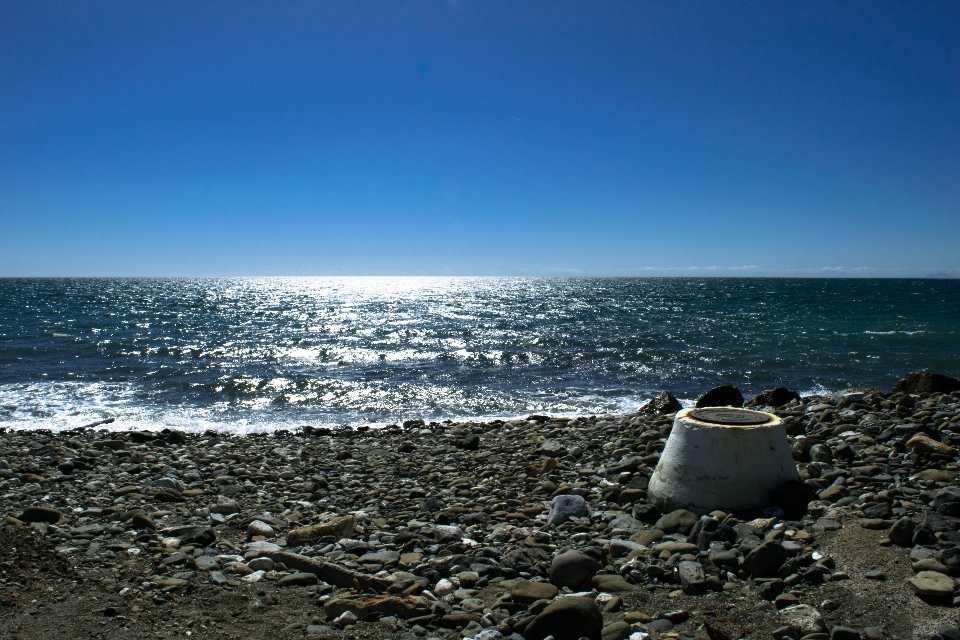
(265, 353)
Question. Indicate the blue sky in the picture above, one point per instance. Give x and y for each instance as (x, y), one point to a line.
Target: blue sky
(479, 138)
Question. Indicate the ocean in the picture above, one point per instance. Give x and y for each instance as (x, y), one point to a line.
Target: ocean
(253, 354)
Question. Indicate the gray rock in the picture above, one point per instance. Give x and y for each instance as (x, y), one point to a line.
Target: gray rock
(205, 563)
(679, 521)
(525, 591)
(804, 617)
(626, 523)
(569, 618)
(661, 625)
(932, 583)
(260, 528)
(553, 448)
(262, 563)
(620, 548)
(572, 569)
(877, 510)
(565, 507)
(821, 453)
(611, 583)
(225, 507)
(298, 579)
(901, 533)
(692, 580)
(764, 561)
(616, 631)
(386, 556)
(828, 524)
(167, 483)
(844, 633)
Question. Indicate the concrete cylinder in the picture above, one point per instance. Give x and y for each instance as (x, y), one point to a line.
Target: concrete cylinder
(722, 458)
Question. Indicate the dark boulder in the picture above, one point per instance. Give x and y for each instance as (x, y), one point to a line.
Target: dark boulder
(764, 561)
(572, 569)
(40, 514)
(724, 396)
(773, 398)
(794, 496)
(927, 383)
(569, 618)
(663, 403)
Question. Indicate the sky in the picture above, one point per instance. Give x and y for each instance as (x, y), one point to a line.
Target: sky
(479, 137)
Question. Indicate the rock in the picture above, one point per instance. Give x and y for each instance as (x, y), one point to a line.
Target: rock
(168, 483)
(821, 453)
(539, 468)
(386, 556)
(553, 448)
(929, 564)
(344, 619)
(141, 520)
(645, 512)
(620, 548)
(197, 536)
(764, 561)
(259, 528)
(931, 583)
(794, 496)
(527, 592)
(829, 525)
(458, 619)
(261, 564)
(611, 583)
(936, 475)
(648, 537)
(572, 569)
(785, 600)
(926, 444)
(927, 383)
(680, 521)
(709, 530)
(225, 506)
(773, 398)
(879, 510)
(723, 396)
(341, 527)
(468, 579)
(568, 618)
(662, 404)
(787, 632)
(40, 514)
(832, 493)
(770, 590)
(400, 607)
(468, 443)
(565, 507)
(692, 579)
(873, 633)
(804, 617)
(625, 523)
(298, 579)
(844, 633)
(206, 563)
(616, 631)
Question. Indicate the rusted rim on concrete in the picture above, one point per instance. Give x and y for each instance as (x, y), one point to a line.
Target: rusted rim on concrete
(731, 417)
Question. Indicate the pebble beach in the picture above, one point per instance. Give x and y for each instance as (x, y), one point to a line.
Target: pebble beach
(527, 528)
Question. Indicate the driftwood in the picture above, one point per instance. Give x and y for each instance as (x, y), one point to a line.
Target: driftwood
(330, 573)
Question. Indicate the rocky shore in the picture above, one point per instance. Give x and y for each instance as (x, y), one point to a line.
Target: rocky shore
(527, 528)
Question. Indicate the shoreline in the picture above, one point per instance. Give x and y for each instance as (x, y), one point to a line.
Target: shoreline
(446, 530)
